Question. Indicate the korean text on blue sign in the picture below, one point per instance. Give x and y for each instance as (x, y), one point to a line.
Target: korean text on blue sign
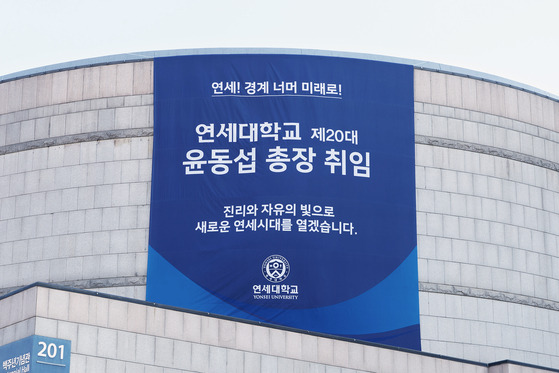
(283, 191)
(36, 354)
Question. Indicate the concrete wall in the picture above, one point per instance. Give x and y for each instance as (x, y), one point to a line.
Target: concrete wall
(75, 172)
(487, 163)
(115, 335)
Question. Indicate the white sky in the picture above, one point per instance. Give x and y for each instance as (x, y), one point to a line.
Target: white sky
(513, 39)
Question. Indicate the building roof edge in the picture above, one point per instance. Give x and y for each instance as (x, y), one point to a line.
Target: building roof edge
(150, 55)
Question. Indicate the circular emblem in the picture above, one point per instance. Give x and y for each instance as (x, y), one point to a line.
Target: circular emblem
(275, 268)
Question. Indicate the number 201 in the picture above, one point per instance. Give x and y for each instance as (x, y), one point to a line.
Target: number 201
(50, 350)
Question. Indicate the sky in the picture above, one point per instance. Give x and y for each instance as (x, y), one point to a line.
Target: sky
(513, 39)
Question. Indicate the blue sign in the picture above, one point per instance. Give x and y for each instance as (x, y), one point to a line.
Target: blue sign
(283, 191)
(36, 354)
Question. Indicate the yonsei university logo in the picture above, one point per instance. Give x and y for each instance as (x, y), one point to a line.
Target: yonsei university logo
(275, 268)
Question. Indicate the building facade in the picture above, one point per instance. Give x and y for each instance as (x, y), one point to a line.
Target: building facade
(75, 179)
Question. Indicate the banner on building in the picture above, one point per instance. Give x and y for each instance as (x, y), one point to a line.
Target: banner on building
(283, 191)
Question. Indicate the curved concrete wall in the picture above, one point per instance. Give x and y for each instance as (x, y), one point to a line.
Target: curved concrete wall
(487, 162)
(75, 175)
(75, 171)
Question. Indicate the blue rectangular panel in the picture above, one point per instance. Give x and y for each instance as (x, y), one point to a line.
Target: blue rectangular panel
(36, 354)
(283, 191)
